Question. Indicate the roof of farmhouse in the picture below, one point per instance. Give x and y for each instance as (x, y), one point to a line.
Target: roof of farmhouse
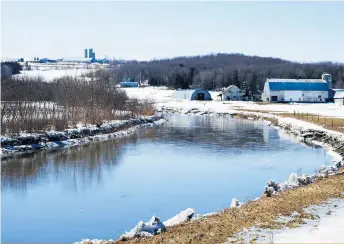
(298, 84)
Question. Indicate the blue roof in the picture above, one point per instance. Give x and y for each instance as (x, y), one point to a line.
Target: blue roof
(296, 86)
(129, 84)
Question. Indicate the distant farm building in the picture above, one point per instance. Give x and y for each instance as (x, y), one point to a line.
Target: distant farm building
(78, 60)
(196, 94)
(232, 93)
(297, 90)
(338, 97)
(46, 60)
(129, 83)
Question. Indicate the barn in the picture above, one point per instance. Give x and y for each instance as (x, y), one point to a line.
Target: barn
(196, 94)
(78, 60)
(297, 90)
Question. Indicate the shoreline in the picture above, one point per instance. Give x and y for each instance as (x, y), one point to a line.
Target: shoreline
(29, 143)
(331, 141)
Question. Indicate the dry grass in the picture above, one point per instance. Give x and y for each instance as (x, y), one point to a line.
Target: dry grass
(263, 213)
(330, 123)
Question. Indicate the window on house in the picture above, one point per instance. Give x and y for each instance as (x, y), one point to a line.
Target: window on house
(319, 96)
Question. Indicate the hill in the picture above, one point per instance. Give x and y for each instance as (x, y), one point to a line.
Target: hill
(215, 71)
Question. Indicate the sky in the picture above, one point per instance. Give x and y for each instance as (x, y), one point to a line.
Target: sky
(142, 30)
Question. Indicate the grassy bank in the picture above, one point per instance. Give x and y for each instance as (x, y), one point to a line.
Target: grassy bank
(331, 123)
(262, 213)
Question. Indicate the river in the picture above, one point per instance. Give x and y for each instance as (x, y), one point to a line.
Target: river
(102, 190)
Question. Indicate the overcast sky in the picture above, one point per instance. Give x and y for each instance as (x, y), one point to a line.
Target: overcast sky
(308, 31)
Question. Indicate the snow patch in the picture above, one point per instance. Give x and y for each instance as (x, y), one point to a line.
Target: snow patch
(182, 217)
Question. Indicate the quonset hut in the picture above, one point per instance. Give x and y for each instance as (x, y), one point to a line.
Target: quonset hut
(196, 94)
(297, 90)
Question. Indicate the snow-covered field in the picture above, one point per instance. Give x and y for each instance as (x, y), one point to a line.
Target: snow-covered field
(162, 97)
(49, 72)
(50, 75)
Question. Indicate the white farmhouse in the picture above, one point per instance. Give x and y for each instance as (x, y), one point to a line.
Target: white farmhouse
(232, 93)
(339, 97)
(297, 90)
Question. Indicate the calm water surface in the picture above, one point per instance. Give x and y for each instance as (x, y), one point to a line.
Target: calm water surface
(102, 190)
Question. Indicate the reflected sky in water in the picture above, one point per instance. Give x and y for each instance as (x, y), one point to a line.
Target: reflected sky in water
(104, 189)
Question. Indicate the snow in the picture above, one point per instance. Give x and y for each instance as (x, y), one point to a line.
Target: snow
(51, 71)
(182, 217)
(50, 75)
(327, 227)
(163, 97)
(155, 226)
(29, 142)
(235, 203)
(152, 227)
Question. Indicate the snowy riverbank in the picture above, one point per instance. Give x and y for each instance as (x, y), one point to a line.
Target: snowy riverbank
(307, 132)
(30, 142)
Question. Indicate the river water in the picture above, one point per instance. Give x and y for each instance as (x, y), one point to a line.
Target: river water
(104, 189)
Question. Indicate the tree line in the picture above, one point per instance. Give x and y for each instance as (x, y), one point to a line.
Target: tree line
(10, 68)
(221, 70)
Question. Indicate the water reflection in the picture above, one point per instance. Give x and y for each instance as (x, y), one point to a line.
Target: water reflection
(80, 166)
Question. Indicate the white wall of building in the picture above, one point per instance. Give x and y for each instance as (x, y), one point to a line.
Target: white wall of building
(296, 96)
(233, 93)
(339, 98)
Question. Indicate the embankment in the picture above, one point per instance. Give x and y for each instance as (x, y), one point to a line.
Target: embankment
(31, 142)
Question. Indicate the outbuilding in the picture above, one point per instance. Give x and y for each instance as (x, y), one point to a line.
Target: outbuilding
(129, 83)
(78, 60)
(297, 90)
(338, 97)
(232, 93)
(195, 94)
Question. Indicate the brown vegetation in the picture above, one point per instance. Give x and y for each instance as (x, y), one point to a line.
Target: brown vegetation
(331, 123)
(30, 104)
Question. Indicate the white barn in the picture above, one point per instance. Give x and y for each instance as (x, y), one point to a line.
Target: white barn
(232, 93)
(297, 90)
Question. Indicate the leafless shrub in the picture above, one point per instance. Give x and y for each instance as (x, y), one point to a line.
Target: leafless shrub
(31, 104)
